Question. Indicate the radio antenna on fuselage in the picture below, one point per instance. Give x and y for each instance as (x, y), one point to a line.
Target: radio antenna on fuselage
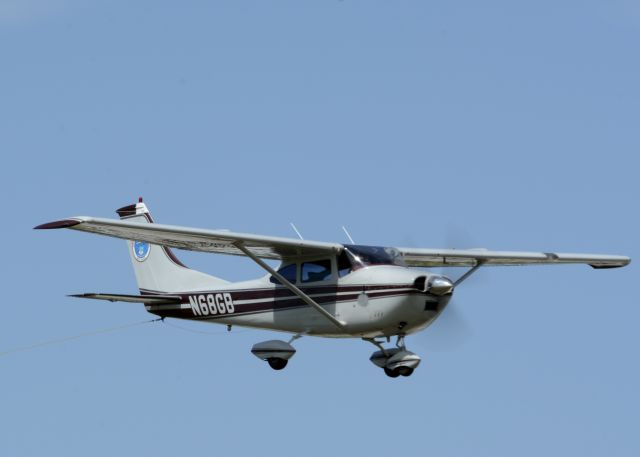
(347, 233)
(296, 230)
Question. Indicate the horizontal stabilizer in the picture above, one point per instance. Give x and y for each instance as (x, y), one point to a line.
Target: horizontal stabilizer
(146, 299)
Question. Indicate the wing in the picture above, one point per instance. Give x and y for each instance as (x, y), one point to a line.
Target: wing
(471, 257)
(192, 239)
(267, 247)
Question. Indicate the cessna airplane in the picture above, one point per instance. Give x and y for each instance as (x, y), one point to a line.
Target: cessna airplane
(320, 289)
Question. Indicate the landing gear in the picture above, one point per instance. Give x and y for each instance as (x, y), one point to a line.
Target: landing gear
(400, 371)
(277, 363)
(395, 361)
(391, 373)
(275, 352)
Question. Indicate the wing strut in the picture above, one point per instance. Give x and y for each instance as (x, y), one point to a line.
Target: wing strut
(471, 271)
(308, 300)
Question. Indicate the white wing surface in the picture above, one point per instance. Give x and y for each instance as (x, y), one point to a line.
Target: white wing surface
(269, 247)
(193, 239)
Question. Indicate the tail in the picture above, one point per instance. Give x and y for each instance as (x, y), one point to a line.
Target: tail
(157, 269)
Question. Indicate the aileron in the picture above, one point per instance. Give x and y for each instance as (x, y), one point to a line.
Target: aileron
(471, 257)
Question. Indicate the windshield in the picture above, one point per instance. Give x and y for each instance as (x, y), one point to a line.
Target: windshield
(362, 256)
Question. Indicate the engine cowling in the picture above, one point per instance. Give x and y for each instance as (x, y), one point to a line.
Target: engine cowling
(440, 285)
(434, 284)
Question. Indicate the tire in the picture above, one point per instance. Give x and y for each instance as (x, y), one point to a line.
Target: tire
(392, 373)
(405, 371)
(277, 364)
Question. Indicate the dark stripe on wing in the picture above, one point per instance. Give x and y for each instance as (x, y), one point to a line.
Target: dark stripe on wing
(64, 223)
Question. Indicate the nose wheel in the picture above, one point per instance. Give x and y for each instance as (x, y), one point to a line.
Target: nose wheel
(396, 361)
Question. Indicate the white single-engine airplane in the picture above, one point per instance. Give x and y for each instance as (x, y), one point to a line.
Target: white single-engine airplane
(320, 289)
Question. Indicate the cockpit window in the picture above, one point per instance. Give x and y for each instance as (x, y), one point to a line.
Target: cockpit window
(362, 256)
(289, 273)
(318, 270)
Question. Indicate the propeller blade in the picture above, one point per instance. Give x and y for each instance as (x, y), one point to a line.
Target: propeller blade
(449, 332)
(457, 237)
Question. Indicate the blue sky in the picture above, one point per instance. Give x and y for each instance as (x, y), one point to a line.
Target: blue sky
(501, 125)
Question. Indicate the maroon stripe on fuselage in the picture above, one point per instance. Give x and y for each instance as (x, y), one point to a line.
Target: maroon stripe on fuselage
(283, 292)
(277, 305)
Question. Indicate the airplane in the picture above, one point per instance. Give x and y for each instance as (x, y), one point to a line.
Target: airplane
(320, 289)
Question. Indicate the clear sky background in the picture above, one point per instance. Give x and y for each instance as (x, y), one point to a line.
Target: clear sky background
(505, 125)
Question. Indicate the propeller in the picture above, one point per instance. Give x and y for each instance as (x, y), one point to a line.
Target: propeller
(456, 237)
(450, 330)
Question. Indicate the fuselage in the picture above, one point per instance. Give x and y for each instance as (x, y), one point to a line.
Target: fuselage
(377, 300)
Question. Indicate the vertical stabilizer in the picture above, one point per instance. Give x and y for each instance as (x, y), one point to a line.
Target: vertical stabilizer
(156, 267)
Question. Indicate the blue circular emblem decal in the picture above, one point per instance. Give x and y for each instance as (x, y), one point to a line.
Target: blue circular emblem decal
(141, 250)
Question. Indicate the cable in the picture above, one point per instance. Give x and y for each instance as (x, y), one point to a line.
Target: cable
(75, 337)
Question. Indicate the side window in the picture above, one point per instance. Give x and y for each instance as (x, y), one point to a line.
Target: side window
(318, 270)
(289, 273)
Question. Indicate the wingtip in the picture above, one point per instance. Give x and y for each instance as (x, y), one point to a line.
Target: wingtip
(623, 262)
(64, 223)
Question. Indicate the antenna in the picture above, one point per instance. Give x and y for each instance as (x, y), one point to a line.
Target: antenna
(347, 233)
(296, 230)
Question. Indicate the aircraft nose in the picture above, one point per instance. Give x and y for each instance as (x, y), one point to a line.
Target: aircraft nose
(440, 286)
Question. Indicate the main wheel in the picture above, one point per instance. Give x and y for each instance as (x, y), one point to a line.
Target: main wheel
(276, 363)
(392, 373)
(405, 371)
